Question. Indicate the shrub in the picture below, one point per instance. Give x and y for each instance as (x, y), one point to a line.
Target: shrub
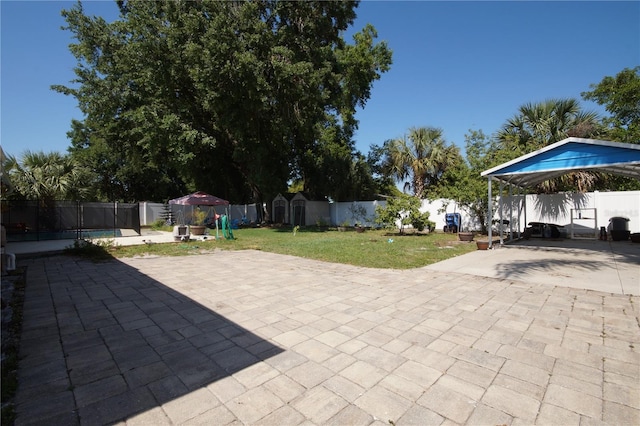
(198, 217)
(404, 209)
(420, 220)
(95, 251)
(158, 225)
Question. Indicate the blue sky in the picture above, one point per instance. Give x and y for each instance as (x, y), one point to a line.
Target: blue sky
(457, 65)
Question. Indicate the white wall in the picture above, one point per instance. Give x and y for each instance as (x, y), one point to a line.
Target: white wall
(247, 211)
(150, 212)
(552, 208)
(440, 207)
(315, 212)
(596, 208)
(342, 212)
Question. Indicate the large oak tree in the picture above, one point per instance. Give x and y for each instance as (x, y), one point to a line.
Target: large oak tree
(235, 98)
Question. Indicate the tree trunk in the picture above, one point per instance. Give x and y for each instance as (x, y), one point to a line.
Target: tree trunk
(418, 187)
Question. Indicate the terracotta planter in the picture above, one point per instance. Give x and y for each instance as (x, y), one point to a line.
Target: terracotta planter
(482, 245)
(198, 229)
(465, 236)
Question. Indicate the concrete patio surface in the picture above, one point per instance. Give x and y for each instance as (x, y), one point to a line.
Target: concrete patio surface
(608, 266)
(58, 246)
(248, 337)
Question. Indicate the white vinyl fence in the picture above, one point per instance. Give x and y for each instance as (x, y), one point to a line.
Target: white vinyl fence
(581, 213)
(590, 211)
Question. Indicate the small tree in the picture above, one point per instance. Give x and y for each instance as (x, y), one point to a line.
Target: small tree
(405, 209)
(463, 183)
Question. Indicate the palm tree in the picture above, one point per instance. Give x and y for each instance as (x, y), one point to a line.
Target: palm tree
(537, 125)
(47, 177)
(39, 175)
(422, 157)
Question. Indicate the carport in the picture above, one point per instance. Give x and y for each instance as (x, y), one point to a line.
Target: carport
(567, 155)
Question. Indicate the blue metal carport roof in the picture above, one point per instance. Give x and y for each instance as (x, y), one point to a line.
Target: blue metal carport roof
(569, 155)
(562, 157)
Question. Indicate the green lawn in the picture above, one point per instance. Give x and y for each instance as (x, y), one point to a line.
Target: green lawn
(373, 248)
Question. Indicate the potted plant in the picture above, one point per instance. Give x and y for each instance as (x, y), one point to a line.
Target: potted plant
(465, 236)
(198, 226)
(482, 242)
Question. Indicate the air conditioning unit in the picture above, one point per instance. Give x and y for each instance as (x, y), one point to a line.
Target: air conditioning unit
(181, 233)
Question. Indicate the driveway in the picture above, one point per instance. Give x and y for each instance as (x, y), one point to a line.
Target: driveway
(607, 266)
(257, 338)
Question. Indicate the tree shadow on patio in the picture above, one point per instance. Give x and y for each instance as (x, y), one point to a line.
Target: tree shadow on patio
(554, 264)
(102, 342)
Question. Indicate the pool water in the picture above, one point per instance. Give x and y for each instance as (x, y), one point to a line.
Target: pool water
(64, 235)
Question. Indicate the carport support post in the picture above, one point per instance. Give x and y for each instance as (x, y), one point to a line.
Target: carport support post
(490, 215)
(520, 203)
(510, 212)
(501, 215)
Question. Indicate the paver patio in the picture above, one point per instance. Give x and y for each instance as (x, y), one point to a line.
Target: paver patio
(257, 338)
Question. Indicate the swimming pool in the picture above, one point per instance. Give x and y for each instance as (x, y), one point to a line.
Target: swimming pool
(71, 234)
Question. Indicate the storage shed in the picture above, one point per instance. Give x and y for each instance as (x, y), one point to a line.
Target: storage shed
(305, 211)
(280, 207)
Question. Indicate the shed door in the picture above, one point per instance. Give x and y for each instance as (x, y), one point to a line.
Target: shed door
(279, 210)
(298, 213)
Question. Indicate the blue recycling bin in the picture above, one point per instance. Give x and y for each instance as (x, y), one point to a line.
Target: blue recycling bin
(452, 222)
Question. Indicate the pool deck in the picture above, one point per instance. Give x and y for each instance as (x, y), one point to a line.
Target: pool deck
(57, 246)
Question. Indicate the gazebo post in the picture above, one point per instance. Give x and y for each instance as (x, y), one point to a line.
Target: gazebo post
(215, 219)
